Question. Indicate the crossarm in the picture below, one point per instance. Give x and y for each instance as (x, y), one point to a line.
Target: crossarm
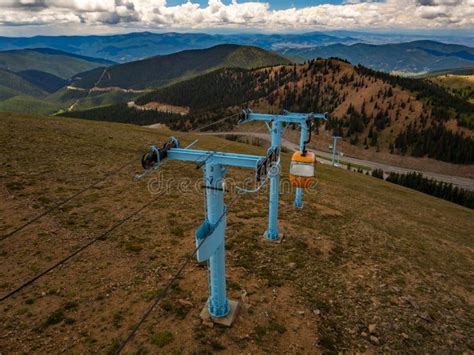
(316, 116)
(281, 118)
(288, 117)
(210, 157)
(151, 160)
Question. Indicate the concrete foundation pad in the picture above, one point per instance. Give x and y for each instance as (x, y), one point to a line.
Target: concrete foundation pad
(280, 239)
(225, 321)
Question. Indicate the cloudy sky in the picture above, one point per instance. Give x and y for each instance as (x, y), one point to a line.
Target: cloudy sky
(30, 17)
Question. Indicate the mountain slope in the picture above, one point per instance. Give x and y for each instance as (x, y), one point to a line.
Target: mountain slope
(27, 104)
(61, 64)
(362, 254)
(460, 85)
(28, 91)
(14, 84)
(411, 57)
(162, 70)
(47, 82)
(32, 74)
(67, 99)
(373, 111)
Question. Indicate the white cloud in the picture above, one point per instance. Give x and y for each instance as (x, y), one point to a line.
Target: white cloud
(253, 15)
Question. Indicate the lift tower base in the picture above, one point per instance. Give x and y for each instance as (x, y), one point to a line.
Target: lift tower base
(226, 321)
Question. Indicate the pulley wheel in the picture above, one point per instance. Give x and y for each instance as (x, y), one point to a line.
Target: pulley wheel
(148, 160)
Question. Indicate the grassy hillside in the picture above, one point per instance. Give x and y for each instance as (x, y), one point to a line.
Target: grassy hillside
(60, 64)
(408, 58)
(83, 100)
(27, 104)
(158, 71)
(461, 85)
(6, 93)
(98, 99)
(12, 84)
(364, 266)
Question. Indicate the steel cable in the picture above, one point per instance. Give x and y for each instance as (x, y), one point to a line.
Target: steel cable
(163, 293)
(55, 207)
(82, 248)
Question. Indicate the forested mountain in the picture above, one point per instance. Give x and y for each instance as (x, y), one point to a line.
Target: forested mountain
(28, 77)
(372, 110)
(13, 84)
(58, 63)
(53, 77)
(158, 71)
(411, 57)
(47, 82)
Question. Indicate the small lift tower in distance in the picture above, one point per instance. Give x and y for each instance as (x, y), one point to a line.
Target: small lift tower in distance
(334, 150)
(210, 235)
(279, 124)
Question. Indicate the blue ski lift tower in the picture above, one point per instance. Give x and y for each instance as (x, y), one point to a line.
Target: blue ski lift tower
(209, 237)
(278, 125)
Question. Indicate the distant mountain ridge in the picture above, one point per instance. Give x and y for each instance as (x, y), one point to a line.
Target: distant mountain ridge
(52, 61)
(139, 45)
(158, 71)
(51, 51)
(410, 58)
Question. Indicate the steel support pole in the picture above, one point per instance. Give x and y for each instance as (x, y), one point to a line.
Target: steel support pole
(218, 304)
(299, 191)
(272, 231)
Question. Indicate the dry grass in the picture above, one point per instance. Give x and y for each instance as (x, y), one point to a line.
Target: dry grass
(362, 252)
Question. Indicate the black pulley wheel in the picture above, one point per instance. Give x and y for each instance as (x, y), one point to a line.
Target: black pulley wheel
(148, 160)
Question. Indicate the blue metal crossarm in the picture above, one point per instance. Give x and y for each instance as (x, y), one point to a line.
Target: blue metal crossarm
(286, 117)
(317, 116)
(281, 118)
(229, 159)
(156, 156)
